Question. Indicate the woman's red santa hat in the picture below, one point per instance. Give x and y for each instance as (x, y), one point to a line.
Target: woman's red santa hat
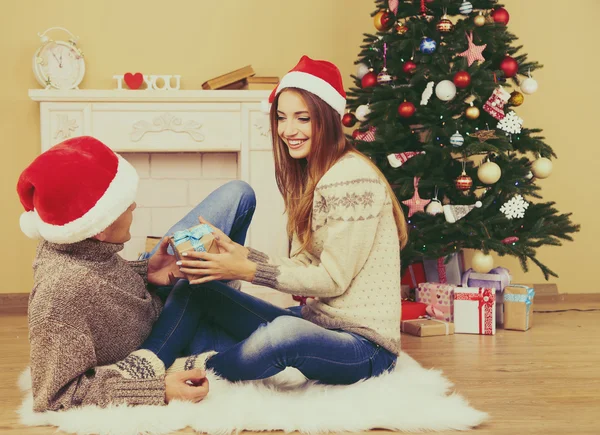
(75, 190)
(319, 77)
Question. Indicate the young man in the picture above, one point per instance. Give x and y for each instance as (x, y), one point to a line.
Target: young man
(97, 334)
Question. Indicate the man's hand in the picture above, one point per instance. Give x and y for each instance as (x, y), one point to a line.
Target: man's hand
(162, 267)
(190, 385)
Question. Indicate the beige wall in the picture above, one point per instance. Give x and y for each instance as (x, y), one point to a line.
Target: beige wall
(202, 39)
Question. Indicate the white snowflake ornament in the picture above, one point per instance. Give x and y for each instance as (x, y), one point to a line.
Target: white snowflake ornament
(511, 123)
(515, 207)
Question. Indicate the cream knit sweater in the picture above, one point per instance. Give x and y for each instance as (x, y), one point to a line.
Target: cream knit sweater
(352, 267)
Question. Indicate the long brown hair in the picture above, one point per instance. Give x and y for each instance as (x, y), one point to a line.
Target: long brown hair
(296, 179)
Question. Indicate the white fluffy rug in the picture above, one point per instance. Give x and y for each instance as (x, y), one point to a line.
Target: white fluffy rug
(409, 399)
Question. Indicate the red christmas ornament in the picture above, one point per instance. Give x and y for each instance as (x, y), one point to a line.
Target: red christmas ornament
(369, 80)
(406, 109)
(509, 240)
(355, 133)
(444, 25)
(381, 20)
(401, 29)
(409, 67)
(462, 79)
(501, 16)
(464, 182)
(509, 66)
(349, 120)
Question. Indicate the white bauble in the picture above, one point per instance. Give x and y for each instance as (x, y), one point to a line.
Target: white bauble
(361, 70)
(542, 167)
(362, 112)
(434, 207)
(529, 86)
(457, 140)
(445, 90)
(489, 173)
(482, 263)
(465, 8)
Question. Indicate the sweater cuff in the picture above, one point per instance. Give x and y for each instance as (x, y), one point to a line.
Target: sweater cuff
(266, 275)
(257, 256)
(148, 392)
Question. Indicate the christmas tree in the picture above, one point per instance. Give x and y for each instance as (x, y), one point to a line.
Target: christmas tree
(436, 93)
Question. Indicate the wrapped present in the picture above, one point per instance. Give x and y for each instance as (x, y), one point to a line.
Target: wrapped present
(413, 275)
(497, 278)
(445, 270)
(439, 299)
(199, 238)
(427, 327)
(475, 310)
(518, 309)
(413, 310)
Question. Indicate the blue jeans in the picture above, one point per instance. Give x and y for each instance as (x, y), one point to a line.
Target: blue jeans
(229, 208)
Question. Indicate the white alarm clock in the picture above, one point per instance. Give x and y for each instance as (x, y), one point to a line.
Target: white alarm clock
(58, 64)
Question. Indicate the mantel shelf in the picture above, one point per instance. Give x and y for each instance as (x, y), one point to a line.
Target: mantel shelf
(128, 95)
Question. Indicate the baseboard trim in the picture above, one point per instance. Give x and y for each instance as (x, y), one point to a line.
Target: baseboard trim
(13, 303)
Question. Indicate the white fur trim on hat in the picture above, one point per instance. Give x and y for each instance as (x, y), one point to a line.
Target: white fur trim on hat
(316, 85)
(29, 224)
(117, 198)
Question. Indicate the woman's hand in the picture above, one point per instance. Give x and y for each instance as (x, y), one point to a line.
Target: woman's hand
(232, 262)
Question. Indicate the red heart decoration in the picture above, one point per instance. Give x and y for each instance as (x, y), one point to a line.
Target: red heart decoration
(134, 81)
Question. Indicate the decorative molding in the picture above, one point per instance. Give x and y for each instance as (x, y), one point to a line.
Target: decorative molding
(167, 122)
(66, 126)
(264, 129)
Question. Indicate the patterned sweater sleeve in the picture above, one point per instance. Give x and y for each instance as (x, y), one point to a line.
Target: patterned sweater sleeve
(348, 212)
(64, 372)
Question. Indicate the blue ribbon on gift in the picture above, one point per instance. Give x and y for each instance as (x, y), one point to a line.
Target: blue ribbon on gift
(193, 236)
(526, 298)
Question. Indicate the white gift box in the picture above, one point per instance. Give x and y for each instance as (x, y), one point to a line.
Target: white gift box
(474, 310)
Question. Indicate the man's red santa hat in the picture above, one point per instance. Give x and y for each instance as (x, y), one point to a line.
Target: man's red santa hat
(75, 190)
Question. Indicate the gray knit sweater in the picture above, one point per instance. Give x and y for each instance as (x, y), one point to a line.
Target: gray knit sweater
(88, 313)
(352, 267)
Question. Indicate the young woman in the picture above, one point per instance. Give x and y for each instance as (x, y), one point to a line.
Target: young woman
(347, 229)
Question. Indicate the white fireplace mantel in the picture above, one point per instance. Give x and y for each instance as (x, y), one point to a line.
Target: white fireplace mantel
(141, 121)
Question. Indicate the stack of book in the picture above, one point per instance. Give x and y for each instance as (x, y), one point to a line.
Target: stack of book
(243, 78)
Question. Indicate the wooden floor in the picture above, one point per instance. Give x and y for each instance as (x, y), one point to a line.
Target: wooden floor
(545, 381)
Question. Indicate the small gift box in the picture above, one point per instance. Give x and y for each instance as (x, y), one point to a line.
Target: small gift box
(413, 275)
(475, 311)
(445, 270)
(497, 278)
(199, 238)
(439, 299)
(518, 309)
(413, 310)
(427, 327)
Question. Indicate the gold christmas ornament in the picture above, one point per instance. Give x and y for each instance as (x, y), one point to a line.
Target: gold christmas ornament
(479, 20)
(542, 167)
(516, 98)
(489, 173)
(472, 112)
(482, 263)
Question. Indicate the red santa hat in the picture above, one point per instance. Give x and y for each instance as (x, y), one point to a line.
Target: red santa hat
(319, 77)
(75, 190)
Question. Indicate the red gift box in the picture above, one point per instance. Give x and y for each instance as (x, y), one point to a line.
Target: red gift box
(413, 310)
(414, 275)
